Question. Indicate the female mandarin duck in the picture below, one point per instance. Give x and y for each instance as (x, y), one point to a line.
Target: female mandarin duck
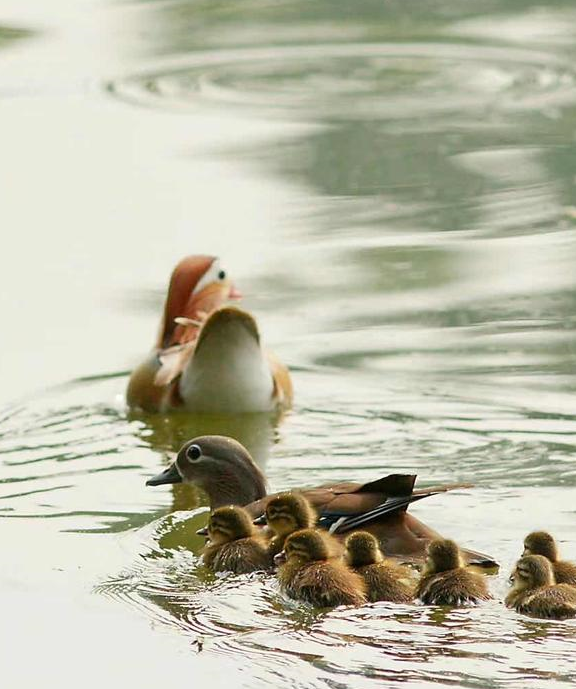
(384, 581)
(224, 469)
(542, 543)
(208, 357)
(445, 579)
(534, 592)
(235, 546)
(308, 571)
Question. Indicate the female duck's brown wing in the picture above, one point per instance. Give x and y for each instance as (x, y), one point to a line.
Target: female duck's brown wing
(342, 507)
(347, 498)
(390, 504)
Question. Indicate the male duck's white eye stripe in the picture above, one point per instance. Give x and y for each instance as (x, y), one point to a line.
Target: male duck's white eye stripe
(213, 274)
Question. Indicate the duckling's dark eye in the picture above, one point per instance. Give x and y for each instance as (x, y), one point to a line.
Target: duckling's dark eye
(222, 275)
(193, 453)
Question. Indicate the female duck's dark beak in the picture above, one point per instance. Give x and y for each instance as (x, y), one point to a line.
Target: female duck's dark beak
(169, 475)
(280, 559)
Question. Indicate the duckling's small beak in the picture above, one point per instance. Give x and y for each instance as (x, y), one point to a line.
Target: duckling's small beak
(260, 521)
(169, 475)
(203, 531)
(280, 559)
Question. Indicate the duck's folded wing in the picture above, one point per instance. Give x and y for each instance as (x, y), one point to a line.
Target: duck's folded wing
(348, 498)
(173, 361)
(341, 523)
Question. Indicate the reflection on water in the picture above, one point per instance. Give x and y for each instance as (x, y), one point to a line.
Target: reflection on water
(418, 276)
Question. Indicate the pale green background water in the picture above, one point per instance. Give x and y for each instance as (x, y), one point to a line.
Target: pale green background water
(392, 185)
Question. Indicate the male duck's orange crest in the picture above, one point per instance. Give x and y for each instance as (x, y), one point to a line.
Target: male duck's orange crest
(185, 277)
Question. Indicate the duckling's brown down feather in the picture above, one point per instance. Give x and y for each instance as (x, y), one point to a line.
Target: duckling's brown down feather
(241, 556)
(383, 583)
(453, 587)
(556, 602)
(322, 584)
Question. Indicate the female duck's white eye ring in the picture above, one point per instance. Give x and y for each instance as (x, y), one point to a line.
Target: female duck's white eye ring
(193, 453)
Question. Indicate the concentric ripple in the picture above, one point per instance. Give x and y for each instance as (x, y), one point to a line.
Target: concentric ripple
(359, 81)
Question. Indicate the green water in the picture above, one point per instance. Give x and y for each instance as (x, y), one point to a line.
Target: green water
(392, 186)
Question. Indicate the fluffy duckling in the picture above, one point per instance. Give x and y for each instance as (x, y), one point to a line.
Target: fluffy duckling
(308, 572)
(234, 543)
(542, 543)
(384, 580)
(446, 581)
(286, 513)
(534, 592)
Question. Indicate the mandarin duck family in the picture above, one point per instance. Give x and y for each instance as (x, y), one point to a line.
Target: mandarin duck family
(324, 566)
(327, 542)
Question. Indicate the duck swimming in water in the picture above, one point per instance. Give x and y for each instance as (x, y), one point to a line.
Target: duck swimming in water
(309, 571)
(224, 469)
(286, 513)
(385, 581)
(542, 543)
(445, 579)
(235, 546)
(534, 592)
(208, 357)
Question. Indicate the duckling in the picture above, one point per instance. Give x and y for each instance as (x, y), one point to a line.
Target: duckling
(534, 592)
(542, 543)
(286, 513)
(446, 581)
(208, 357)
(234, 543)
(309, 572)
(384, 580)
(224, 469)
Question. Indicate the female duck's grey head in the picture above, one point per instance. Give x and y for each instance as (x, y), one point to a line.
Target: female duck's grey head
(221, 466)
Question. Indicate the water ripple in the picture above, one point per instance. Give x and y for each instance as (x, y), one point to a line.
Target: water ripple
(392, 81)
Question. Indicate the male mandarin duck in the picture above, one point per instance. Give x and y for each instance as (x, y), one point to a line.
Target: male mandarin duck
(445, 579)
(535, 593)
(226, 472)
(309, 571)
(542, 543)
(384, 580)
(208, 357)
(235, 546)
